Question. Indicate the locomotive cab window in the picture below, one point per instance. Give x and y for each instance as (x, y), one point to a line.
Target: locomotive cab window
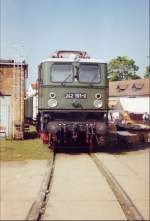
(62, 73)
(89, 73)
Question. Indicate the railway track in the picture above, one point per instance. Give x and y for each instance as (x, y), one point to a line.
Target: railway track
(53, 192)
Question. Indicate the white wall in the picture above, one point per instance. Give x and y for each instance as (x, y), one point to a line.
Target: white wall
(6, 115)
(35, 106)
(31, 91)
(134, 104)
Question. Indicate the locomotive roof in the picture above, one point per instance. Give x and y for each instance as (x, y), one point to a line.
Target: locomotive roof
(80, 60)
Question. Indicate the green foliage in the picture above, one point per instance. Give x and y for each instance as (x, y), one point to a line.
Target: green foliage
(147, 72)
(122, 68)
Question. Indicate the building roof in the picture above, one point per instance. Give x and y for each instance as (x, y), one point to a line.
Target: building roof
(6, 60)
(12, 62)
(138, 87)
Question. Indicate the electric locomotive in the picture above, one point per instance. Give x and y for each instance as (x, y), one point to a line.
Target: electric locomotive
(72, 99)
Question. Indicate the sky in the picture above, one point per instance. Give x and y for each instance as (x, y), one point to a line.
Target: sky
(33, 29)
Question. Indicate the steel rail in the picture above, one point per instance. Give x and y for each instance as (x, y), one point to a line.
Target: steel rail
(38, 207)
(128, 207)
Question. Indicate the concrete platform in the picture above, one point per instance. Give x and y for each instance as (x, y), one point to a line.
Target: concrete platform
(131, 170)
(80, 192)
(19, 186)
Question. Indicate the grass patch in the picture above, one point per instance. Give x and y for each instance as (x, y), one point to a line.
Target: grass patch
(23, 149)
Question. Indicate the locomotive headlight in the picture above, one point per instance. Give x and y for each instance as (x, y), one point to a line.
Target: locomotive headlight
(52, 95)
(52, 103)
(98, 103)
(98, 96)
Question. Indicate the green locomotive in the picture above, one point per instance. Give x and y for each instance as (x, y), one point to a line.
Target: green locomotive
(72, 99)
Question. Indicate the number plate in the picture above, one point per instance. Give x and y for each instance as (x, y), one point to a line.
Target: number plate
(76, 95)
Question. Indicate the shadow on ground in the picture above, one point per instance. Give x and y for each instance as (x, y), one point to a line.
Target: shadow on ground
(125, 148)
(112, 149)
(30, 135)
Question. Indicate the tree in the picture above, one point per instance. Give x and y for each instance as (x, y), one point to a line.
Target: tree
(122, 68)
(147, 72)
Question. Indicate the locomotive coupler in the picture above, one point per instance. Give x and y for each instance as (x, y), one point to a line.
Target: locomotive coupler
(87, 133)
(74, 133)
(64, 130)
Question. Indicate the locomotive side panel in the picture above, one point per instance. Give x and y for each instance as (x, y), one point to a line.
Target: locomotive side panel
(29, 109)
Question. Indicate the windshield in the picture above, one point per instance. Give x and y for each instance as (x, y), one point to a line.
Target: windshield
(89, 73)
(61, 73)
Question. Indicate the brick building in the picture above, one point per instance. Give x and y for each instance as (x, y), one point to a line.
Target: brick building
(12, 93)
